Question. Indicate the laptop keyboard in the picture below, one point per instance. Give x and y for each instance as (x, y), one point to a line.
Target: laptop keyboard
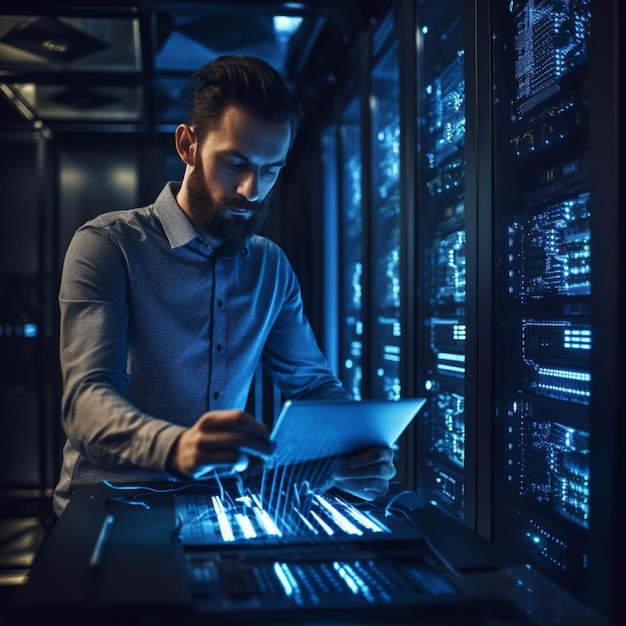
(209, 519)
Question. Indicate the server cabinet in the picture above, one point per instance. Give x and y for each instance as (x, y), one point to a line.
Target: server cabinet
(516, 306)
(370, 330)
(387, 186)
(543, 255)
(385, 241)
(351, 246)
(556, 444)
(441, 254)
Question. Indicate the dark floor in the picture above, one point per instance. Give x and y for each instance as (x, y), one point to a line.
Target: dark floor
(26, 518)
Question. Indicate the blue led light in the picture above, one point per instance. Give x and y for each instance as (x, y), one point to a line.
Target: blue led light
(30, 330)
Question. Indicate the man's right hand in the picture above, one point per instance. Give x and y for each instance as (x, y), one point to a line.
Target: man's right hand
(220, 440)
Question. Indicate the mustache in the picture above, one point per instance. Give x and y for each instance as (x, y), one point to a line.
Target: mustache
(239, 203)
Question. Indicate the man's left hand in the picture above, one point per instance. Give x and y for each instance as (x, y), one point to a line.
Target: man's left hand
(367, 474)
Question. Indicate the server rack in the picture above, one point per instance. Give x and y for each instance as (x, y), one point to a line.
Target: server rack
(516, 254)
(385, 243)
(441, 237)
(351, 235)
(542, 209)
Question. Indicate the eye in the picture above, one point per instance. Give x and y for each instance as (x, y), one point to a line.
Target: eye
(270, 172)
(235, 163)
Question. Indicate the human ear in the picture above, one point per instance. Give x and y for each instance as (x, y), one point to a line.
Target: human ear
(186, 143)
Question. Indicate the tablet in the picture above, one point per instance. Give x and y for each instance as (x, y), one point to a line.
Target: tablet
(306, 430)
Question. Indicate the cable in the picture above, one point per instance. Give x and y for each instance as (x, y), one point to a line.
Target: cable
(431, 547)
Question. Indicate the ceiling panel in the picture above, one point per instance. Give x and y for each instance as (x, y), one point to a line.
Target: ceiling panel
(132, 66)
(63, 44)
(77, 103)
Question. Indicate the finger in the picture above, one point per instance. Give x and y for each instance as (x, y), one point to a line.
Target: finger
(232, 421)
(370, 457)
(233, 433)
(233, 443)
(223, 468)
(219, 458)
(369, 489)
(371, 472)
(384, 469)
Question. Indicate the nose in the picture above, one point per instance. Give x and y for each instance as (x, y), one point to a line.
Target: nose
(248, 186)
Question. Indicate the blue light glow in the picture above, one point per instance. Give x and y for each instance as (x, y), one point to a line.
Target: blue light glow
(286, 25)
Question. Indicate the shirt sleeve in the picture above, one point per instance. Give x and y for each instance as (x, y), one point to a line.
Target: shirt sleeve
(292, 355)
(99, 421)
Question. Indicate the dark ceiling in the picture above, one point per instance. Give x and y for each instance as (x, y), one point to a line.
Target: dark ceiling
(120, 64)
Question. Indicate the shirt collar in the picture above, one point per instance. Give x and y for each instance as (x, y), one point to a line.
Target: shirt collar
(178, 228)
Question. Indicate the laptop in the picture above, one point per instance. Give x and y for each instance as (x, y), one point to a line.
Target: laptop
(285, 503)
(277, 553)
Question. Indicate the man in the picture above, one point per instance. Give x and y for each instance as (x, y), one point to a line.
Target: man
(167, 310)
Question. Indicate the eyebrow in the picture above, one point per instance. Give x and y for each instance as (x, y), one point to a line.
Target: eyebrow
(240, 155)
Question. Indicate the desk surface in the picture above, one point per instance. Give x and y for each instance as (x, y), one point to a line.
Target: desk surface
(138, 566)
(143, 574)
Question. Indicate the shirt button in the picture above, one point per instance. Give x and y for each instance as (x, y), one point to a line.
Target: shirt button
(219, 303)
(219, 347)
(216, 394)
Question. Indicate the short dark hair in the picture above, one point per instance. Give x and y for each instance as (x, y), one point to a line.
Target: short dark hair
(244, 81)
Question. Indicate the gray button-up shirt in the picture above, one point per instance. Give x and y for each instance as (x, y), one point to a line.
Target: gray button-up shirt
(156, 329)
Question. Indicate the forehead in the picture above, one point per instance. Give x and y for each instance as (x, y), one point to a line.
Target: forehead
(253, 137)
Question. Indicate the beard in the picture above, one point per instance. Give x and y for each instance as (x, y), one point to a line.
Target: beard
(212, 219)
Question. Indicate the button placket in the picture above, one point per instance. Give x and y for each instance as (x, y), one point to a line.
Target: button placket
(219, 333)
